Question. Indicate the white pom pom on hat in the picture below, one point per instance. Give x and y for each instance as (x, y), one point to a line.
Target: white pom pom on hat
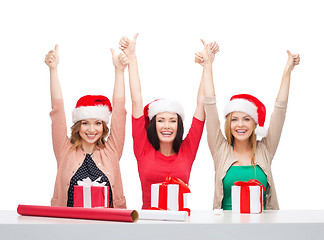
(163, 105)
(250, 105)
(92, 106)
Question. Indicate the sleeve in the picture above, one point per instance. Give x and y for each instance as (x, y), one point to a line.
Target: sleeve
(192, 140)
(139, 136)
(116, 137)
(59, 131)
(215, 136)
(277, 120)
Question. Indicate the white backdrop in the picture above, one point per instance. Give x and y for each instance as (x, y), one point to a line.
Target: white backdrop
(253, 38)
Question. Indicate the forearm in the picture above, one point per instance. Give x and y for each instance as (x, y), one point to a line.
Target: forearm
(208, 80)
(200, 113)
(285, 85)
(55, 87)
(135, 87)
(119, 87)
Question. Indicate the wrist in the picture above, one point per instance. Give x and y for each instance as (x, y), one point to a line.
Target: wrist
(119, 70)
(207, 66)
(132, 57)
(288, 69)
(53, 69)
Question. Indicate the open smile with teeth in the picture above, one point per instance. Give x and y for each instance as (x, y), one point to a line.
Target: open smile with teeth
(241, 131)
(91, 136)
(166, 133)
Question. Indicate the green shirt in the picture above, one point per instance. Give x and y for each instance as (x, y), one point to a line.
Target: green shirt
(241, 173)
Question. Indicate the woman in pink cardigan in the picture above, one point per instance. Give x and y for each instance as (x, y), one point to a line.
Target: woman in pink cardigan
(87, 153)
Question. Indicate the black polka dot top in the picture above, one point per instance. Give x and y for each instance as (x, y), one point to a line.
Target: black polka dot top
(87, 169)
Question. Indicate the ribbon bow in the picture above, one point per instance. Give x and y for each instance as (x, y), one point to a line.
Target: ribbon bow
(182, 186)
(245, 194)
(251, 182)
(87, 182)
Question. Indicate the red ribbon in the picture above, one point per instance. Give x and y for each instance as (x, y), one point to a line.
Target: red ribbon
(245, 194)
(163, 193)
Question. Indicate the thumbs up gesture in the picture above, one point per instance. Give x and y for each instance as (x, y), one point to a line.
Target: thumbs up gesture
(120, 61)
(293, 60)
(52, 58)
(208, 53)
(127, 45)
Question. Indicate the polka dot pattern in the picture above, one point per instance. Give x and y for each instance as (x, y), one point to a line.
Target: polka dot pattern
(87, 169)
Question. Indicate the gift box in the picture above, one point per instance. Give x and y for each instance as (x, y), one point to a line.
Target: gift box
(247, 197)
(170, 195)
(90, 194)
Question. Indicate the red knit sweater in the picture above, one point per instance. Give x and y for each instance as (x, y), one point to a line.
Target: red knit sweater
(153, 166)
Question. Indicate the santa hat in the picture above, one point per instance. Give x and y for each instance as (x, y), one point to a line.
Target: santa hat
(250, 105)
(163, 105)
(92, 106)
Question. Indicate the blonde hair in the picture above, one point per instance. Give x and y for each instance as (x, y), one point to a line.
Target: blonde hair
(76, 139)
(230, 137)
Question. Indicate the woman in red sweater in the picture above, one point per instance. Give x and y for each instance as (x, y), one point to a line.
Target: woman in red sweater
(158, 132)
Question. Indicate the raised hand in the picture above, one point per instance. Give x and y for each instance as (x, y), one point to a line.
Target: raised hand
(293, 60)
(52, 58)
(120, 61)
(208, 53)
(127, 45)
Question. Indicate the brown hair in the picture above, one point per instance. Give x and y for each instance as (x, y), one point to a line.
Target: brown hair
(76, 138)
(230, 137)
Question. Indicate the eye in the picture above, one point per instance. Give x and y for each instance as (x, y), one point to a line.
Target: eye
(234, 119)
(84, 123)
(98, 123)
(247, 119)
(173, 121)
(159, 120)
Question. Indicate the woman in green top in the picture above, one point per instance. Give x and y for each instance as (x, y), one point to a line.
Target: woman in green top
(239, 156)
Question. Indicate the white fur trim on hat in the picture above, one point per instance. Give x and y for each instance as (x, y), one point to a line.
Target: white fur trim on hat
(261, 131)
(98, 112)
(242, 105)
(165, 105)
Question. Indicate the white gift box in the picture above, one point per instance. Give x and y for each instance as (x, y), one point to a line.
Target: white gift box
(170, 199)
(248, 201)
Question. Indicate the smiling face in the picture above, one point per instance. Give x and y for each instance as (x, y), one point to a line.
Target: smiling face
(242, 126)
(166, 126)
(90, 131)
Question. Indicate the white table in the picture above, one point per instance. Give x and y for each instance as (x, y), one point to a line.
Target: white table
(202, 225)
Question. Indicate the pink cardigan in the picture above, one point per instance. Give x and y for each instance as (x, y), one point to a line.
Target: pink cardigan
(106, 159)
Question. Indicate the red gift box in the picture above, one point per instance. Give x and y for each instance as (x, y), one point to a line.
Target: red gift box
(91, 196)
(170, 195)
(247, 197)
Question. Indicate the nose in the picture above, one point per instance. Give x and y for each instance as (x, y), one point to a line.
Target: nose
(240, 122)
(91, 127)
(166, 125)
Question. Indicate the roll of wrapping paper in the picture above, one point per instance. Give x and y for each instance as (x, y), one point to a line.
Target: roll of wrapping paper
(164, 215)
(107, 214)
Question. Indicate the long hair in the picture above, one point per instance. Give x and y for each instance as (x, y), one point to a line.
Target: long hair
(154, 139)
(230, 137)
(76, 139)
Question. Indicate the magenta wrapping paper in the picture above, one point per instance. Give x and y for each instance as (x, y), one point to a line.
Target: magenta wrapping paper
(107, 214)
